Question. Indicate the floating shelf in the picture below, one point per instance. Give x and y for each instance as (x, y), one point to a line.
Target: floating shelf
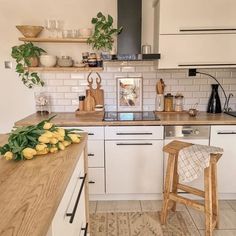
(54, 40)
(65, 69)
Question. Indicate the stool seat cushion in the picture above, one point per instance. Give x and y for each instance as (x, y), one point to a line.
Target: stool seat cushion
(194, 159)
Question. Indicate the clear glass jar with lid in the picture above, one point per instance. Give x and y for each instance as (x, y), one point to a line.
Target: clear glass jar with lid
(179, 102)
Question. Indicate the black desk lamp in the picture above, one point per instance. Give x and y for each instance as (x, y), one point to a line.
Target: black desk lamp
(193, 72)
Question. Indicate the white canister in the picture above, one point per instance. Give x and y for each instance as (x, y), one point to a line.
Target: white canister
(160, 102)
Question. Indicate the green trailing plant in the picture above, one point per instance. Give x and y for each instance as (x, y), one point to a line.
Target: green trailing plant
(23, 55)
(102, 38)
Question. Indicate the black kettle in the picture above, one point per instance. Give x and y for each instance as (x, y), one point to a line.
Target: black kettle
(214, 104)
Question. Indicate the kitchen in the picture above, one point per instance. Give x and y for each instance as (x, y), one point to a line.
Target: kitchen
(64, 87)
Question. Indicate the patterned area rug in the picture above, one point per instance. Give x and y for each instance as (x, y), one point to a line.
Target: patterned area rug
(141, 224)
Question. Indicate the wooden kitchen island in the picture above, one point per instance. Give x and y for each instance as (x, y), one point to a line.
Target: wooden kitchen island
(32, 190)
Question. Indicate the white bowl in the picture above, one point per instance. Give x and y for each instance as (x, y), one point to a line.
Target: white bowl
(48, 60)
(86, 32)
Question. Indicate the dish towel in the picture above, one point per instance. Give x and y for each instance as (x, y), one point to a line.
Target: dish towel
(193, 160)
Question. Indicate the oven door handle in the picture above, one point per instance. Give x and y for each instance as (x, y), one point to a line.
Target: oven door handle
(226, 132)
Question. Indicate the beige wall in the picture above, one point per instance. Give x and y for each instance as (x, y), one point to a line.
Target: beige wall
(16, 100)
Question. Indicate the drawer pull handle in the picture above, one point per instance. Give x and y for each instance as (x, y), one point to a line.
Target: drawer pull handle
(230, 132)
(90, 133)
(85, 229)
(72, 215)
(91, 182)
(133, 133)
(206, 30)
(91, 154)
(208, 64)
(131, 144)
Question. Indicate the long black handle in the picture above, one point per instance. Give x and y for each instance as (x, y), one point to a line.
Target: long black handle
(231, 132)
(90, 133)
(209, 64)
(91, 182)
(72, 215)
(131, 144)
(207, 30)
(133, 133)
(90, 154)
(85, 229)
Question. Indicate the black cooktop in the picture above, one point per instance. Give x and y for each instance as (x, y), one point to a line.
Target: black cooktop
(130, 116)
(231, 113)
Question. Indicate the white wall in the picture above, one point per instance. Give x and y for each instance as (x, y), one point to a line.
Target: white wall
(16, 100)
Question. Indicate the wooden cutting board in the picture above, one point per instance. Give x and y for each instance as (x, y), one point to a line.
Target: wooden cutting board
(97, 93)
(89, 102)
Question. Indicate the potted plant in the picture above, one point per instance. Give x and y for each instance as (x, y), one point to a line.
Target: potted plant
(104, 32)
(26, 55)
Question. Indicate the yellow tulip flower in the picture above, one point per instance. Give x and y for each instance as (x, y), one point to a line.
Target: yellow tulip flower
(43, 139)
(66, 143)
(29, 153)
(40, 147)
(61, 146)
(47, 125)
(8, 155)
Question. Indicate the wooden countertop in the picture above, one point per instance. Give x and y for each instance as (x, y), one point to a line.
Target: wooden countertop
(70, 119)
(32, 190)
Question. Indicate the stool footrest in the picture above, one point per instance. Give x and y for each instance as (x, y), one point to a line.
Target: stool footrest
(186, 201)
(191, 190)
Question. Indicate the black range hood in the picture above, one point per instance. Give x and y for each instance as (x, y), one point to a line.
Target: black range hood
(129, 41)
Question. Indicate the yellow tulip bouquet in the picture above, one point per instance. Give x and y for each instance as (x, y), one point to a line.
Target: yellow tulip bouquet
(24, 143)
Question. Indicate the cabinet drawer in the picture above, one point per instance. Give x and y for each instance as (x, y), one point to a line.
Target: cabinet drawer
(94, 133)
(96, 181)
(96, 153)
(134, 132)
(213, 50)
(74, 192)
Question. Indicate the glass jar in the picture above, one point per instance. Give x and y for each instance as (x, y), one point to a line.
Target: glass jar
(42, 103)
(168, 102)
(179, 102)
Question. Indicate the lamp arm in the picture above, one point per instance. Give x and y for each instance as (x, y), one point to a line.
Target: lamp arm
(217, 83)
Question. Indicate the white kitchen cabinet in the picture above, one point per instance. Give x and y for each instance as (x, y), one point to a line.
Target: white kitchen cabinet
(134, 159)
(134, 132)
(197, 16)
(96, 181)
(225, 137)
(186, 51)
(95, 159)
(72, 203)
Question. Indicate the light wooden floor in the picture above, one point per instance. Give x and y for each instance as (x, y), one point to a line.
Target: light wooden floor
(227, 225)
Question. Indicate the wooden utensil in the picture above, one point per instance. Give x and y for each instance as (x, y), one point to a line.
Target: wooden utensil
(97, 93)
(160, 87)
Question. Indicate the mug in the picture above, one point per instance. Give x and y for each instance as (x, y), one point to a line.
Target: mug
(192, 112)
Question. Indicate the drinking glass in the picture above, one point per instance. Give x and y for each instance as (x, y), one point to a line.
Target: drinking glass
(50, 25)
(59, 28)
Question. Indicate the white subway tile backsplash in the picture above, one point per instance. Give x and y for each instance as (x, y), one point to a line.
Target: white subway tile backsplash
(70, 82)
(54, 82)
(128, 69)
(62, 75)
(77, 76)
(65, 88)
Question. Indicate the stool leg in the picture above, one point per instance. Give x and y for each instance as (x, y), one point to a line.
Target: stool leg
(175, 182)
(167, 188)
(215, 203)
(208, 201)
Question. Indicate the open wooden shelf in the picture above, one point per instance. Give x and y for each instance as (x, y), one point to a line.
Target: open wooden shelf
(65, 69)
(54, 40)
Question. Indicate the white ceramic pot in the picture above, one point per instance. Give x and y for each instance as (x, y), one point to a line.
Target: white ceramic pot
(48, 60)
(86, 32)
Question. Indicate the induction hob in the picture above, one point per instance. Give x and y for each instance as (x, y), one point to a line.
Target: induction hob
(130, 116)
(231, 113)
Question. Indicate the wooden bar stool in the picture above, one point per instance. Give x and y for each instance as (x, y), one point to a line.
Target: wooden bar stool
(210, 206)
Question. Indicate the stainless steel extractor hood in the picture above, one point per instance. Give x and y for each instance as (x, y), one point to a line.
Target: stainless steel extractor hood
(129, 41)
